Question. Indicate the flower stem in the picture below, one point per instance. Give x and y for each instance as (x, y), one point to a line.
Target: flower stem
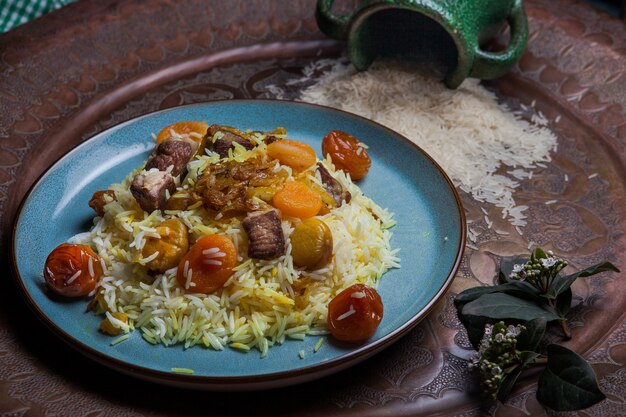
(566, 330)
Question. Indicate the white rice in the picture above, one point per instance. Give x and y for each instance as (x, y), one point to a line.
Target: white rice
(347, 314)
(73, 277)
(256, 308)
(318, 345)
(466, 130)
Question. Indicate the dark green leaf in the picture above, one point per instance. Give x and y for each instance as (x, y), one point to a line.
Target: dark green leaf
(475, 327)
(506, 267)
(507, 383)
(538, 254)
(473, 293)
(568, 383)
(529, 339)
(564, 302)
(510, 287)
(563, 282)
(501, 306)
(528, 357)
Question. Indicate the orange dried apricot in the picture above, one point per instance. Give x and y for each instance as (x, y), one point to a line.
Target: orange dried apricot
(184, 128)
(295, 199)
(297, 155)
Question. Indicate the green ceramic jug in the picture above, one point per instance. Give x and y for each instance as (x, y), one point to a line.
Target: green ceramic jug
(445, 33)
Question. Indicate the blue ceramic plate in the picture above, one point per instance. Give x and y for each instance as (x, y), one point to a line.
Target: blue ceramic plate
(403, 178)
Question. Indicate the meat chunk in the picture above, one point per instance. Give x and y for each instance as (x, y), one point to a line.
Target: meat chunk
(150, 189)
(270, 139)
(98, 200)
(226, 138)
(333, 186)
(265, 235)
(174, 153)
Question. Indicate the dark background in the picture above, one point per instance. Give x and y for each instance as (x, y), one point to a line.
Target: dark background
(615, 7)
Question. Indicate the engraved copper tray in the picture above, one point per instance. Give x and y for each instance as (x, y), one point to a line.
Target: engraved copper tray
(96, 63)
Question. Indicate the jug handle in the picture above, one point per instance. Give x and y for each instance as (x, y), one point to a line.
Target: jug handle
(489, 65)
(332, 25)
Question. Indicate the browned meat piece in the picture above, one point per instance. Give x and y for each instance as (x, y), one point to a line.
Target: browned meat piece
(150, 189)
(225, 140)
(174, 153)
(333, 186)
(98, 201)
(273, 135)
(265, 235)
(270, 139)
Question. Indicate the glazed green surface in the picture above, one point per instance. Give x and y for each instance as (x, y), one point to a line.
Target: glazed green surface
(447, 34)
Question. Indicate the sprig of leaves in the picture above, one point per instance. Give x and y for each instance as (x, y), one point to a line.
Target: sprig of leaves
(531, 293)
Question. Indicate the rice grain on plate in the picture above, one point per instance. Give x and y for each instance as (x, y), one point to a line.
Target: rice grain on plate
(264, 302)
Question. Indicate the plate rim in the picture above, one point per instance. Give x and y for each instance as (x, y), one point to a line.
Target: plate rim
(241, 381)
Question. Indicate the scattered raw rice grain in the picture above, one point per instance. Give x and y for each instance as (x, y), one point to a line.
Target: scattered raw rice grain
(486, 134)
(595, 174)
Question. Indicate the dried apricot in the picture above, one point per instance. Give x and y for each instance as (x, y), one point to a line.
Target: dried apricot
(355, 313)
(208, 264)
(195, 130)
(347, 153)
(311, 244)
(171, 246)
(72, 270)
(297, 155)
(295, 199)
